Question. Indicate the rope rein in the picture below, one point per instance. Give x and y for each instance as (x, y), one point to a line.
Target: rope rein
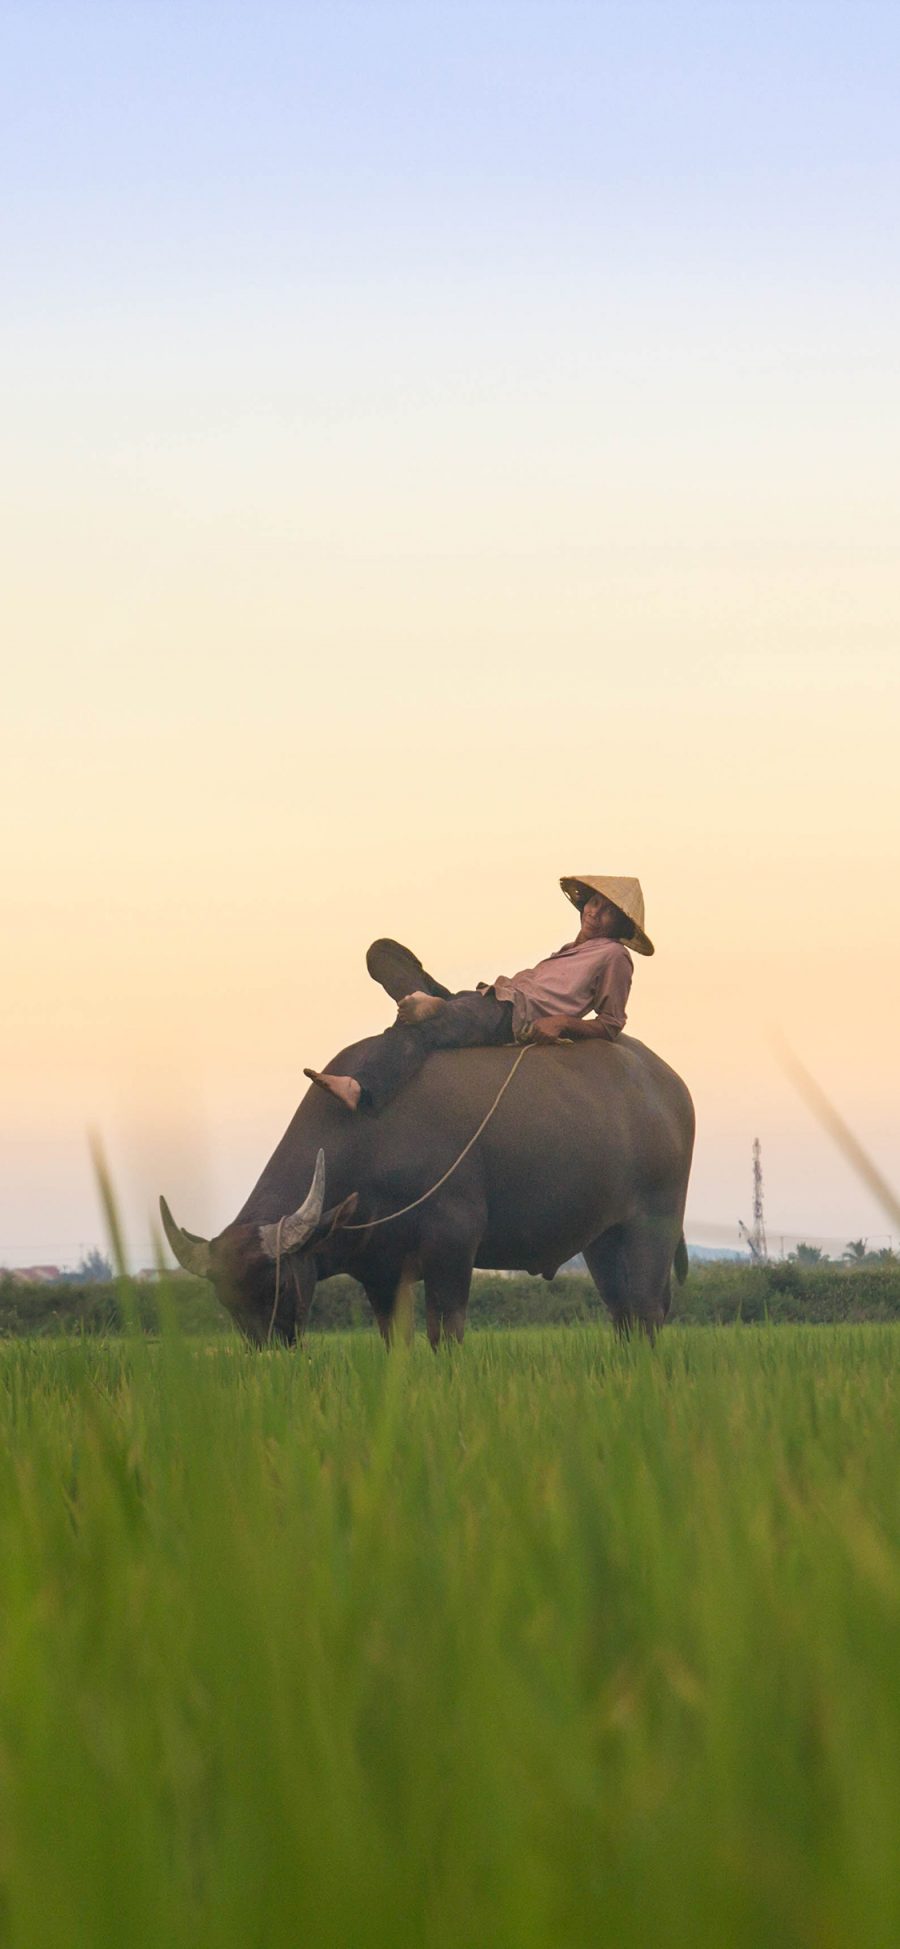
(370, 1224)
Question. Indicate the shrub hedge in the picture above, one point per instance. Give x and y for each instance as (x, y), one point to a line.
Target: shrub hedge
(715, 1294)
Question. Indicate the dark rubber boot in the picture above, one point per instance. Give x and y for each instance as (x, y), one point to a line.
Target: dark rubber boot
(399, 972)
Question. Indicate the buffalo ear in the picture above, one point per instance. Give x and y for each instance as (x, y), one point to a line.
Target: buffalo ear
(334, 1219)
(330, 1222)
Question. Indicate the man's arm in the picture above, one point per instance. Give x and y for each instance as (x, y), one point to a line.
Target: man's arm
(609, 1000)
(555, 1028)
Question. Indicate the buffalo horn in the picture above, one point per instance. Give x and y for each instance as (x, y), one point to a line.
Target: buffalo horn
(296, 1229)
(191, 1252)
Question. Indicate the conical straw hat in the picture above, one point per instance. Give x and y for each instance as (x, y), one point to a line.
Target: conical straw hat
(623, 893)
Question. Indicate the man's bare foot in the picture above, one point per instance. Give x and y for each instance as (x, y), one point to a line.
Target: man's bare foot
(419, 1007)
(345, 1088)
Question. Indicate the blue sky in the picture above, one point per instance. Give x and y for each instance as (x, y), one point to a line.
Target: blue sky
(158, 148)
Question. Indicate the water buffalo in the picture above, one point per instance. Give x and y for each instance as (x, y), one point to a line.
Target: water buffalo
(588, 1151)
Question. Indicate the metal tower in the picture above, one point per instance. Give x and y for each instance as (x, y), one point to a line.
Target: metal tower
(756, 1238)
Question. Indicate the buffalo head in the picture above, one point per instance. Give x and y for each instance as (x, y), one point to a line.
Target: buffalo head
(264, 1275)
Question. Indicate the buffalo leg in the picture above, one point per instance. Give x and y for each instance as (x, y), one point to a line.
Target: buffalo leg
(403, 1318)
(447, 1271)
(631, 1266)
(393, 1304)
(381, 1300)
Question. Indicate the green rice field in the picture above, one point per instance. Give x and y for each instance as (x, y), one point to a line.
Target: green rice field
(546, 1640)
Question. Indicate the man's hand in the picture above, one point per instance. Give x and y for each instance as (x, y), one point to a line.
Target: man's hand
(556, 1028)
(550, 1028)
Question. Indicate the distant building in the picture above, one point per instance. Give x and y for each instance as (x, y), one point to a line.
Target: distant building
(33, 1275)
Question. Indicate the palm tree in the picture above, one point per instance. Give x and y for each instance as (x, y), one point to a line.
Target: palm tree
(855, 1251)
(887, 1256)
(809, 1255)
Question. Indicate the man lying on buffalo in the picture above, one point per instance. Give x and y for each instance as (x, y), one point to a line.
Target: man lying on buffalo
(540, 1004)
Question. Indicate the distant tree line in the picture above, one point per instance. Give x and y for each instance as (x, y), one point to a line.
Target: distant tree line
(855, 1253)
(95, 1269)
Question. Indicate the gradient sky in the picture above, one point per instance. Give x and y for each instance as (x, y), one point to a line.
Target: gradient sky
(445, 446)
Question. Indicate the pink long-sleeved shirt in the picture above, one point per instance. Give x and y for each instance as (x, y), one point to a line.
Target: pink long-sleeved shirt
(579, 977)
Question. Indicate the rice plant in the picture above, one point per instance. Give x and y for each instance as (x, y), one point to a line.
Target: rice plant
(545, 1640)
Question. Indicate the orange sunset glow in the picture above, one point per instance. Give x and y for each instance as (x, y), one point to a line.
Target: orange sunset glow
(383, 541)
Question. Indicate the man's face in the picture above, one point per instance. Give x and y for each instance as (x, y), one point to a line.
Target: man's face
(599, 919)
